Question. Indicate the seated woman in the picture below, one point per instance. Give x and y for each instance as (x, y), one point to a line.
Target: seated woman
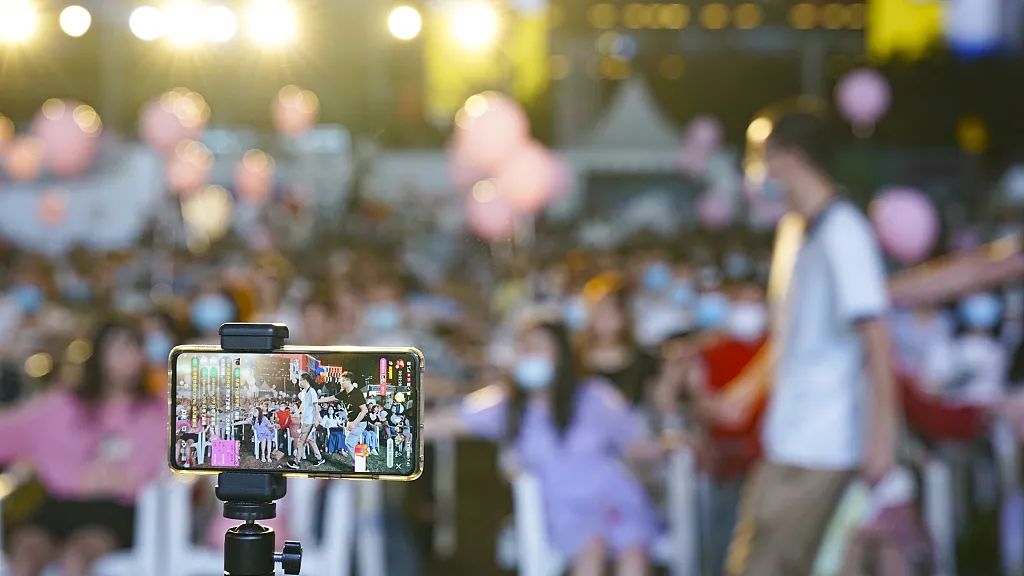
(105, 440)
(573, 434)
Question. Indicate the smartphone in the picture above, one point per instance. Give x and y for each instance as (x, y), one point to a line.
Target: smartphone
(322, 412)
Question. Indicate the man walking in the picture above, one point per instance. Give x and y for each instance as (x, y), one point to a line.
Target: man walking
(832, 409)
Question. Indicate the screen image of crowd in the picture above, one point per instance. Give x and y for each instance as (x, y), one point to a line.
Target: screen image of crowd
(327, 413)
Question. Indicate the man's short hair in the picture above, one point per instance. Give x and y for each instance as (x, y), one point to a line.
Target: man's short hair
(807, 133)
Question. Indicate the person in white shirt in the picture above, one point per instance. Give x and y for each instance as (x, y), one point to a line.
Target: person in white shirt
(832, 409)
(310, 414)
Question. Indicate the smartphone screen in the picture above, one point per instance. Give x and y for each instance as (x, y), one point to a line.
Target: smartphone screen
(309, 411)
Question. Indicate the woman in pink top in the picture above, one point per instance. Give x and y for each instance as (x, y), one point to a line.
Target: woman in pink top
(94, 448)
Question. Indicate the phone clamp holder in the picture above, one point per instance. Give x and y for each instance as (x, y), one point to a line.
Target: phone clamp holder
(251, 496)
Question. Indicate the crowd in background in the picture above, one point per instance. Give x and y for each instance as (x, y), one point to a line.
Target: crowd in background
(668, 321)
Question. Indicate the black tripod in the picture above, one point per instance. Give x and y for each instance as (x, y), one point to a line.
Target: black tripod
(250, 496)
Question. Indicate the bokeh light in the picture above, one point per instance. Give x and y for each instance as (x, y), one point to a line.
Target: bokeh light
(802, 16)
(272, 22)
(748, 16)
(182, 20)
(474, 25)
(759, 130)
(38, 365)
(75, 20)
(405, 22)
(78, 351)
(146, 23)
(220, 24)
(17, 21)
(714, 16)
(672, 16)
(603, 16)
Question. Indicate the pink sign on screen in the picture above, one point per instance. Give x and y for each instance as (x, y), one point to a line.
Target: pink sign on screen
(225, 453)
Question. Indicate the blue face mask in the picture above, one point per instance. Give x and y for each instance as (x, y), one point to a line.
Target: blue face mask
(158, 347)
(383, 317)
(28, 297)
(712, 311)
(574, 313)
(77, 290)
(533, 373)
(981, 311)
(210, 311)
(772, 190)
(683, 293)
(657, 277)
(737, 266)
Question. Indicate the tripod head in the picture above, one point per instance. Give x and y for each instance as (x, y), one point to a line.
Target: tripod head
(251, 496)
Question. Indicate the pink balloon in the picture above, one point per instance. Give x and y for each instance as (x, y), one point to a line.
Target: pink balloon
(527, 178)
(713, 211)
(254, 176)
(493, 219)
(180, 114)
(489, 128)
(53, 207)
(189, 168)
(23, 158)
(863, 96)
(906, 223)
(295, 110)
(69, 132)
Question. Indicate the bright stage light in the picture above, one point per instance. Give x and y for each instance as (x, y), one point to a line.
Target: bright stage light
(474, 25)
(17, 21)
(272, 22)
(405, 22)
(146, 23)
(182, 21)
(759, 130)
(220, 25)
(75, 21)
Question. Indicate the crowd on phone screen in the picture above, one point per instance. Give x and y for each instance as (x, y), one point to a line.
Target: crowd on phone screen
(644, 340)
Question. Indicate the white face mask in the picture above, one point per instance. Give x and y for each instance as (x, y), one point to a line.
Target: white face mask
(747, 321)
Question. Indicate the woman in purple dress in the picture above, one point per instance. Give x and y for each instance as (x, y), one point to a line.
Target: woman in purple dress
(558, 423)
(263, 434)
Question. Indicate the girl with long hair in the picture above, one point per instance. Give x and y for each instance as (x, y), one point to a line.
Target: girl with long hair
(557, 421)
(263, 434)
(106, 439)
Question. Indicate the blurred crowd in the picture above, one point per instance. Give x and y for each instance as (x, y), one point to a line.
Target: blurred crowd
(676, 328)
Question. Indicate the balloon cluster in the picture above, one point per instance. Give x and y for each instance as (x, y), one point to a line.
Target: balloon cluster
(63, 139)
(508, 173)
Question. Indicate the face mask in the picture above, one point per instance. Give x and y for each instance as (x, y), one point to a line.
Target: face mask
(76, 290)
(657, 277)
(981, 311)
(712, 311)
(747, 321)
(772, 190)
(683, 293)
(737, 266)
(574, 313)
(158, 347)
(210, 311)
(28, 297)
(533, 373)
(383, 317)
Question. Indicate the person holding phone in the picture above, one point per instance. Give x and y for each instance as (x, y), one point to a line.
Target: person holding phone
(308, 400)
(353, 401)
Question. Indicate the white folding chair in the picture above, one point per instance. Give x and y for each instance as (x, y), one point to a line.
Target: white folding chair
(939, 514)
(183, 557)
(145, 557)
(535, 556)
(678, 548)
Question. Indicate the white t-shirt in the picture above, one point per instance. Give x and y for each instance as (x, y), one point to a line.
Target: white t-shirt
(308, 399)
(816, 415)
